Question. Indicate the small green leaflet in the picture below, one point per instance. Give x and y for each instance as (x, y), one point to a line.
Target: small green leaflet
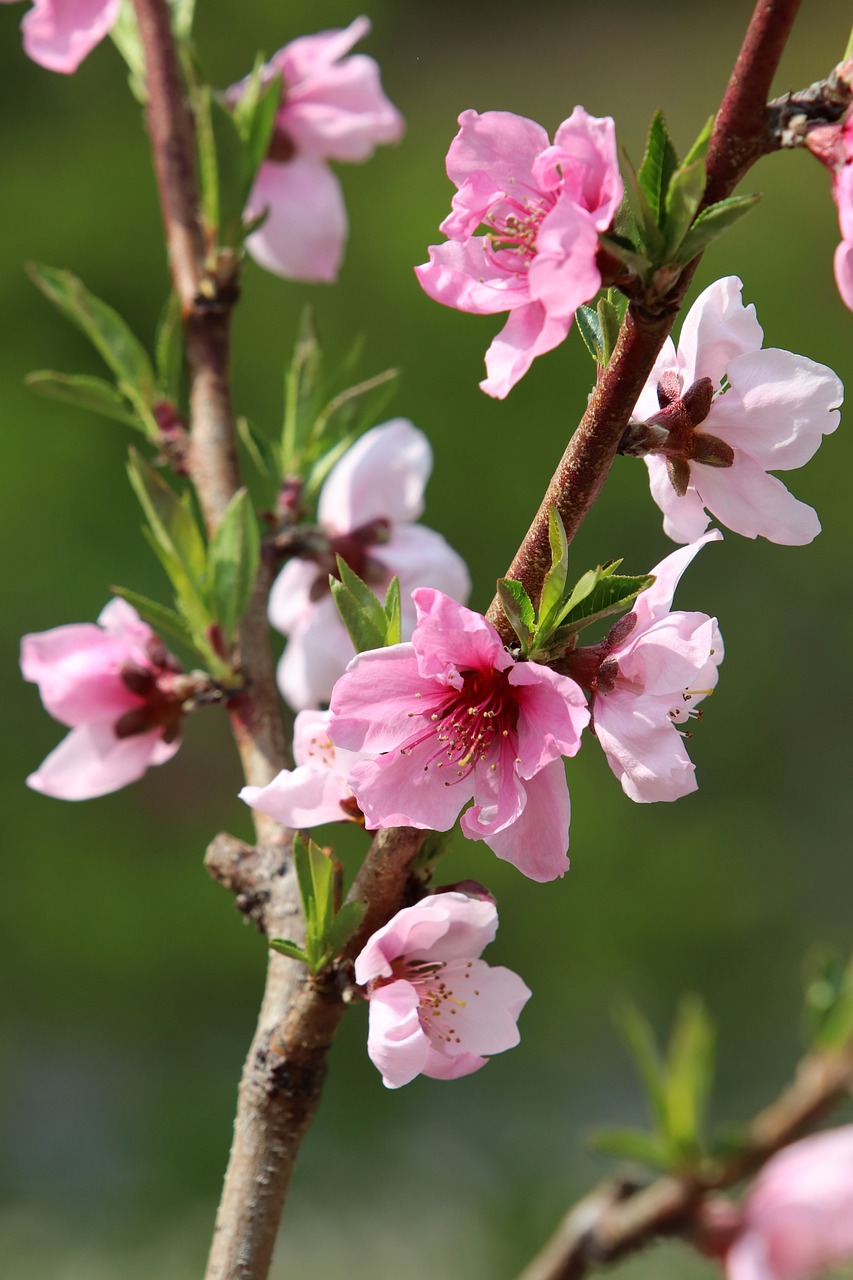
(95, 395)
(371, 625)
(328, 927)
(233, 557)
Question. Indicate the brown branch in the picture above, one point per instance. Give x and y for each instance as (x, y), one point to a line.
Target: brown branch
(617, 1218)
(739, 138)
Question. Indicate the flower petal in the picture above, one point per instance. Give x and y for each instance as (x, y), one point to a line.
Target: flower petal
(396, 1042)
(450, 638)
(406, 788)
(58, 34)
(465, 277)
(380, 700)
(305, 230)
(537, 841)
(643, 748)
(748, 500)
(383, 475)
(500, 143)
(315, 657)
(553, 713)
(91, 761)
(684, 518)
(717, 328)
(529, 332)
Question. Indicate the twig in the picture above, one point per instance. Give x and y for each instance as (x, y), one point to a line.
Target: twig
(617, 1218)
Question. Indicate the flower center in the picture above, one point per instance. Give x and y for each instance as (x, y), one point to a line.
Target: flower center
(511, 242)
(438, 985)
(469, 724)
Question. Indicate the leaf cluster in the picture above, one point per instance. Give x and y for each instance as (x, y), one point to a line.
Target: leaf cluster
(564, 611)
(328, 924)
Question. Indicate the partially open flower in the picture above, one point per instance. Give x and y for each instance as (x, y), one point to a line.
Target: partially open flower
(436, 1009)
(120, 692)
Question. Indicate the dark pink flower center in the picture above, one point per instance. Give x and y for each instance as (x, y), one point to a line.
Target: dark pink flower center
(441, 991)
(514, 226)
(469, 724)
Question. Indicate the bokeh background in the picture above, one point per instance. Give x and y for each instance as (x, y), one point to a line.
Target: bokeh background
(130, 985)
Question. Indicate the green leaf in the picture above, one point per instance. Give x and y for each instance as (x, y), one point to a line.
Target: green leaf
(222, 166)
(183, 12)
(686, 189)
(93, 394)
(125, 36)
(712, 222)
(343, 927)
(631, 1144)
(554, 586)
(104, 328)
(304, 878)
(610, 594)
(259, 448)
(175, 536)
(590, 330)
(261, 125)
(393, 613)
(169, 347)
(652, 243)
(160, 617)
(659, 164)
(288, 949)
(644, 1050)
(828, 1001)
(690, 1070)
(233, 558)
(301, 385)
(610, 322)
(362, 614)
(626, 252)
(518, 607)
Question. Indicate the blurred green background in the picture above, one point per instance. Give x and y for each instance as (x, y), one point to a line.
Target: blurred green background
(130, 984)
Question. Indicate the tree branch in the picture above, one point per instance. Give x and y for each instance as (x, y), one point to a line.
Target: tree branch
(618, 1218)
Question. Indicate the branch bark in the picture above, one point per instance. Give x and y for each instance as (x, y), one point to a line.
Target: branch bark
(617, 1218)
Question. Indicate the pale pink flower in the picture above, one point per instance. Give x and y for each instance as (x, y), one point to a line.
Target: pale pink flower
(333, 108)
(316, 790)
(367, 511)
(543, 207)
(457, 717)
(769, 410)
(436, 1009)
(116, 686)
(798, 1214)
(58, 34)
(651, 673)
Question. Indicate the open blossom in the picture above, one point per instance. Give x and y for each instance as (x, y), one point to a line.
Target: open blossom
(727, 413)
(436, 1009)
(332, 108)
(798, 1214)
(117, 688)
(543, 207)
(58, 34)
(316, 790)
(366, 513)
(452, 716)
(651, 673)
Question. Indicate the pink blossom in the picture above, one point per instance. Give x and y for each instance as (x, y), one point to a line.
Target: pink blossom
(317, 790)
(833, 145)
(367, 509)
(58, 34)
(798, 1215)
(651, 674)
(452, 716)
(769, 410)
(435, 1008)
(543, 207)
(117, 688)
(333, 108)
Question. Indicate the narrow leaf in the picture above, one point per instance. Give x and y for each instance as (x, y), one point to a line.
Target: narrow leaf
(169, 347)
(689, 1072)
(344, 926)
(393, 612)
(362, 614)
(175, 533)
(659, 163)
(686, 189)
(259, 448)
(93, 394)
(160, 617)
(261, 126)
(590, 330)
(288, 949)
(233, 562)
(518, 607)
(641, 1041)
(554, 586)
(631, 1144)
(304, 878)
(610, 322)
(104, 328)
(611, 594)
(712, 222)
(651, 239)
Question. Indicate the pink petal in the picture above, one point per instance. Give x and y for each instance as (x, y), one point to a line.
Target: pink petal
(290, 600)
(668, 656)
(315, 656)
(528, 333)
(311, 55)
(304, 234)
(58, 34)
(341, 112)
(717, 328)
(396, 1042)
(684, 518)
(747, 1260)
(499, 794)
(843, 191)
(589, 164)
(450, 639)
(843, 265)
(645, 751)
(471, 204)
(501, 144)
(553, 713)
(465, 277)
(442, 926)
(744, 498)
(381, 700)
(301, 797)
(121, 620)
(486, 1007)
(90, 761)
(779, 407)
(654, 603)
(420, 557)
(563, 273)
(440, 1066)
(402, 788)
(537, 841)
(77, 670)
(383, 475)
